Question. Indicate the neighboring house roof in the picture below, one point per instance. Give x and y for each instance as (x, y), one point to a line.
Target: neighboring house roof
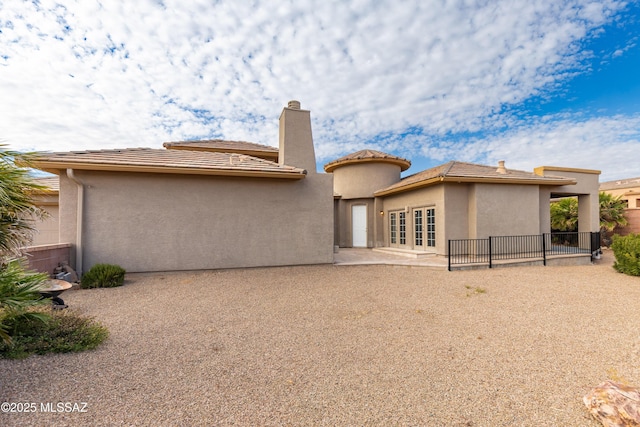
(363, 156)
(455, 171)
(221, 146)
(620, 184)
(52, 184)
(166, 161)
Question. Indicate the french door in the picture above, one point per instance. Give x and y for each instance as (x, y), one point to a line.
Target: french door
(413, 231)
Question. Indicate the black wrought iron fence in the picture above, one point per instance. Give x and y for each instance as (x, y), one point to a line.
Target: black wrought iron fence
(495, 248)
(469, 251)
(568, 243)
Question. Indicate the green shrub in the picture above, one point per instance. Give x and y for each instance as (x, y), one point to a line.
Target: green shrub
(65, 332)
(103, 276)
(627, 252)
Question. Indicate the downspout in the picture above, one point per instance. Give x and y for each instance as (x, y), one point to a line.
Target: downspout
(79, 216)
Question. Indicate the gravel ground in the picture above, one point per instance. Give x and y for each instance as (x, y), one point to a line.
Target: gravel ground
(342, 345)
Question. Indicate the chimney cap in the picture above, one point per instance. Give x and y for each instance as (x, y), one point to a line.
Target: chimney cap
(294, 105)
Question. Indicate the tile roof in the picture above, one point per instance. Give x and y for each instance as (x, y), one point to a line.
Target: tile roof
(367, 156)
(166, 161)
(455, 171)
(620, 184)
(52, 183)
(223, 146)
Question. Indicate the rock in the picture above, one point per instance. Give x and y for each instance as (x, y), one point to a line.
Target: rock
(614, 404)
(67, 269)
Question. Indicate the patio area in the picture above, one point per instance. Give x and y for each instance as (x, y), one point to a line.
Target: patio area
(342, 345)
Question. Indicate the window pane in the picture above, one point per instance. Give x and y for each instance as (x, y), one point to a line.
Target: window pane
(393, 228)
(403, 228)
(418, 227)
(431, 227)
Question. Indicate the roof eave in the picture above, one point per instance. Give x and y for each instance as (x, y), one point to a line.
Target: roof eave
(540, 170)
(408, 187)
(56, 167)
(330, 167)
(461, 179)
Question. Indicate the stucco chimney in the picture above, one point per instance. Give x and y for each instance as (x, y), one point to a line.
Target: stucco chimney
(501, 169)
(296, 140)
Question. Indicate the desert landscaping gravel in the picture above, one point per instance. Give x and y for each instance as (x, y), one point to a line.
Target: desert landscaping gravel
(341, 345)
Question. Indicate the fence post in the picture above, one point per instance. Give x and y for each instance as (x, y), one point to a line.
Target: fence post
(596, 243)
(544, 251)
(449, 254)
(490, 253)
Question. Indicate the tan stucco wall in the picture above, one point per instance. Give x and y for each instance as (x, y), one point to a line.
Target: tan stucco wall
(457, 211)
(545, 210)
(361, 180)
(503, 210)
(158, 222)
(48, 228)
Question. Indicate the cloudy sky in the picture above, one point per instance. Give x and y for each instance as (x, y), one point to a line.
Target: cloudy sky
(545, 82)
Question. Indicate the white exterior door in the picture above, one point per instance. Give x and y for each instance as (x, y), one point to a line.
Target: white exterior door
(359, 226)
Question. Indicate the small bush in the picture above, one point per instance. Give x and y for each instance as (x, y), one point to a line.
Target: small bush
(626, 249)
(64, 332)
(103, 276)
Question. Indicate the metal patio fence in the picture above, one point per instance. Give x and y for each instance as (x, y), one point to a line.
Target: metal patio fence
(538, 246)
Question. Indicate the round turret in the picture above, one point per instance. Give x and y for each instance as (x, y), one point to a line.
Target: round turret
(360, 174)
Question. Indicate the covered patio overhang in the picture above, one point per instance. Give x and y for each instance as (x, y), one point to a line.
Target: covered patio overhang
(585, 189)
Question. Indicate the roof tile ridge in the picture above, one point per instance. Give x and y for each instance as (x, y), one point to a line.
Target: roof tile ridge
(446, 172)
(217, 140)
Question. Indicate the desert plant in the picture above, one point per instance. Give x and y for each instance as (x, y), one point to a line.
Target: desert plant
(612, 216)
(65, 332)
(19, 290)
(17, 207)
(626, 250)
(564, 215)
(612, 212)
(103, 276)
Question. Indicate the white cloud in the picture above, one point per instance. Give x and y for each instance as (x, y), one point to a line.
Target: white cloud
(606, 143)
(104, 74)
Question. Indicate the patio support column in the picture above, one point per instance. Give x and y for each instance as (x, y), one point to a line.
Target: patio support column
(588, 216)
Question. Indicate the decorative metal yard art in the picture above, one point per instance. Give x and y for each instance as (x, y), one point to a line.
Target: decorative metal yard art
(52, 288)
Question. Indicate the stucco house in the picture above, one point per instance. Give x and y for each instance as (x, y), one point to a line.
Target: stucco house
(374, 207)
(226, 204)
(47, 200)
(629, 191)
(197, 205)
